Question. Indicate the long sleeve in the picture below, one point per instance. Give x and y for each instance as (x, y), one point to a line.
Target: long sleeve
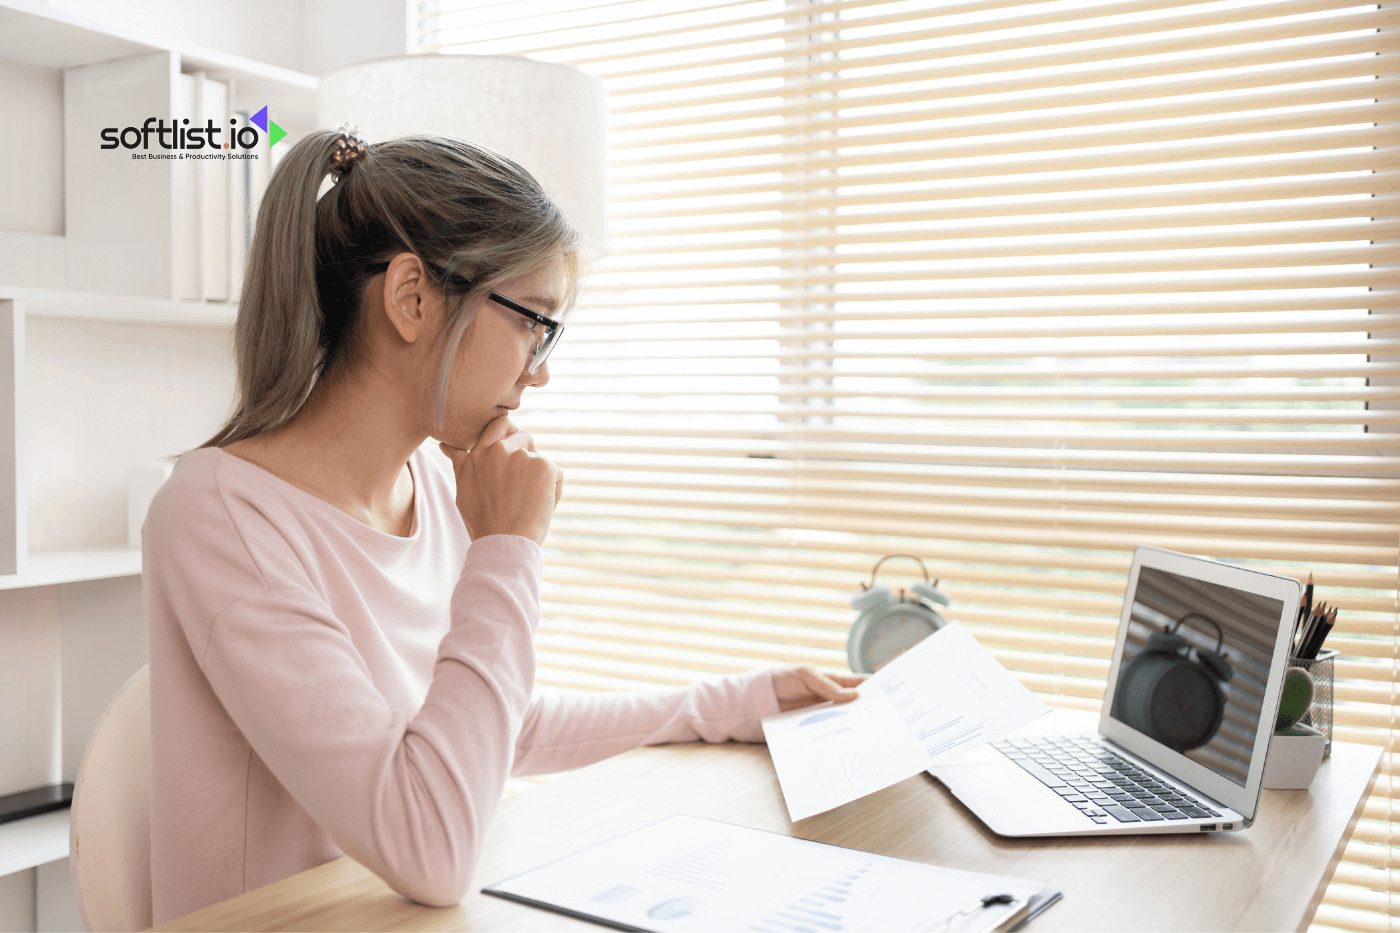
(572, 729)
(320, 688)
(410, 798)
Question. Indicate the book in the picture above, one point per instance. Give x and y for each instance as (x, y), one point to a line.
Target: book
(241, 208)
(186, 196)
(685, 873)
(215, 223)
(211, 193)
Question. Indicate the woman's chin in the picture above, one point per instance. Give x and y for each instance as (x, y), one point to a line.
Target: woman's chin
(462, 433)
(458, 439)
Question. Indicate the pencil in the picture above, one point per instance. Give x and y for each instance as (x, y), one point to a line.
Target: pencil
(1309, 630)
(1324, 632)
(1319, 633)
(1304, 617)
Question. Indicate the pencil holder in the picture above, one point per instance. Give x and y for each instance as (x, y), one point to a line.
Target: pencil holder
(1322, 669)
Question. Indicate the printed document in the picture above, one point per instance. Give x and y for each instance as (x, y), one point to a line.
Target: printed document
(690, 875)
(942, 697)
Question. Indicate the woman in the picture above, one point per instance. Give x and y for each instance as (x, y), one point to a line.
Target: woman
(343, 584)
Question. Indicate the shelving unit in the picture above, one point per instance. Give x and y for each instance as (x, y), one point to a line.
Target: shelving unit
(36, 840)
(48, 568)
(84, 396)
(120, 309)
(35, 34)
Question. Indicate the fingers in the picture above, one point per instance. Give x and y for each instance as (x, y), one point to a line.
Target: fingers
(834, 687)
(496, 430)
(503, 484)
(840, 678)
(518, 440)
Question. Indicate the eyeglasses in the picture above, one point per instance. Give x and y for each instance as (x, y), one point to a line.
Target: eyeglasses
(553, 329)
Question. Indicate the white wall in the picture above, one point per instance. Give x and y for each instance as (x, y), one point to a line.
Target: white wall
(31, 751)
(31, 696)
(102, 398)
(266, 30)
(336, 33)
(17, 901)
(31, 148)
(314, 36)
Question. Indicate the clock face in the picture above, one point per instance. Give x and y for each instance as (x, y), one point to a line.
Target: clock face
(1186, 707)
(897, 628)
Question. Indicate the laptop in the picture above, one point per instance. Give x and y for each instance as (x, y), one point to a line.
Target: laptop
(1192, 698)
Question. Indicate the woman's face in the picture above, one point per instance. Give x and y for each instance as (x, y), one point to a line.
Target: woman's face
(490, 374)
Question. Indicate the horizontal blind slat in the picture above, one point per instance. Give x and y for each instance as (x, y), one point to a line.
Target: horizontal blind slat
(996, 120)
(1133, 44)
(1346, 61)
(1228, 55)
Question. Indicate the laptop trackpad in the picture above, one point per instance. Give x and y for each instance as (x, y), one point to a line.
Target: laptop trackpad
(1009, 801)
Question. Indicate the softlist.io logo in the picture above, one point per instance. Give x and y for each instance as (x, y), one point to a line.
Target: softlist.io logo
(273, 131)
(180, 137)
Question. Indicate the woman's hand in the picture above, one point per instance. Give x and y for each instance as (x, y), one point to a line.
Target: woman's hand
(803, 685)
(503, 485)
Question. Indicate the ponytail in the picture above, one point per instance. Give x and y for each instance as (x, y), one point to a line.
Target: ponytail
(460, 208)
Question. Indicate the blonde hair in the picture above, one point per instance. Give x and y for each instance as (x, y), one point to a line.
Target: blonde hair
(464, 211)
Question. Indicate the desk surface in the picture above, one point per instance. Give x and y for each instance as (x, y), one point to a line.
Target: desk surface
(1268, 877)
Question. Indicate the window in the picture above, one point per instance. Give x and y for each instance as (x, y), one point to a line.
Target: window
(1013, 287)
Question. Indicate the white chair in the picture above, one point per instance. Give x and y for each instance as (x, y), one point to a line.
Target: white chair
(110, 837)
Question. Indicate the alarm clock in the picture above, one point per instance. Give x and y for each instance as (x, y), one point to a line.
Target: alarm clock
(888, 625)
(1171, 696)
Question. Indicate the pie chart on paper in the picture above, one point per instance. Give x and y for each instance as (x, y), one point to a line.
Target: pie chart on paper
(675, 908)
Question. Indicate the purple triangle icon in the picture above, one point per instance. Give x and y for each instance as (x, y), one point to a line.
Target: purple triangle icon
(260, 119)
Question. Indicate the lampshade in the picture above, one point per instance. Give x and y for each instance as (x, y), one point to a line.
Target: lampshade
(547, 117)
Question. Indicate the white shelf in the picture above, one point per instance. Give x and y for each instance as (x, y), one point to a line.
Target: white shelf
(47, 568)
(36, 34)
(122, 309)
(35, 840)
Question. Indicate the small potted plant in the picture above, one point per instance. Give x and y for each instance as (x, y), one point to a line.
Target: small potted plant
(1295, 749)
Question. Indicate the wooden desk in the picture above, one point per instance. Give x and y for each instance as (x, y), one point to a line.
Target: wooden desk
(1269, 877)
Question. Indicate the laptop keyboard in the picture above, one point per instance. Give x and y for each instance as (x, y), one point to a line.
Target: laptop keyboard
(1100, 784)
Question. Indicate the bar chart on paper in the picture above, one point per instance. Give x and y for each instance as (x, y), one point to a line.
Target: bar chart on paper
(944, 696)
(822, 908)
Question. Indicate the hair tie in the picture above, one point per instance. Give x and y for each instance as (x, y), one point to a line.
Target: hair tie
(349, 149)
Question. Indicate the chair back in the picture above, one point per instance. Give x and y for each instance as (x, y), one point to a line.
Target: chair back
(110, 842)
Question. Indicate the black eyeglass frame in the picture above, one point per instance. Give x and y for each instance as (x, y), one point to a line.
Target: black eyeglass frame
(554, 329)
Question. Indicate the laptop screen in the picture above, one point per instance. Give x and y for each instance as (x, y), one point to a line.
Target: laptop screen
(1194, 668)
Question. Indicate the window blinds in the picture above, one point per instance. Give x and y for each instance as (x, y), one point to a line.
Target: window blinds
(1012, 287)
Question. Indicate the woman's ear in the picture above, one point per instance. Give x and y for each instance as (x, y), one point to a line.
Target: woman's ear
(410, 300)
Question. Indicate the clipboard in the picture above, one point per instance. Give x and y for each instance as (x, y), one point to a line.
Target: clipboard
(685, 874)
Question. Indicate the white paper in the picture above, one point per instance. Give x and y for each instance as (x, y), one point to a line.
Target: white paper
(942, 697)
(688, 874)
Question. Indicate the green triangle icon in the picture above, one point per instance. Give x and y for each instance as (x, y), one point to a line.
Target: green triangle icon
(275, 133)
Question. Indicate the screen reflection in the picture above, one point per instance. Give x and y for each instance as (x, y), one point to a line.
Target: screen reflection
(1194, 668)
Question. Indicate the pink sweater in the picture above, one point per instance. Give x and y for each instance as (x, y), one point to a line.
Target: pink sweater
(320, 688)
